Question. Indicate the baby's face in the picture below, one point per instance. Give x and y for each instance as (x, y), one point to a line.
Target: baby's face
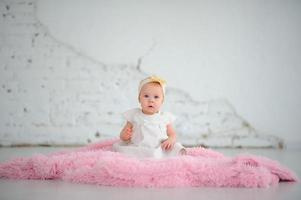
(151, 98)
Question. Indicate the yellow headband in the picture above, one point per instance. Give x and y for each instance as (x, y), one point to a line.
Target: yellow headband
(153, 79)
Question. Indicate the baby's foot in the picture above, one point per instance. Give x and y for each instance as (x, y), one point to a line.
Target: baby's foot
(182, 152)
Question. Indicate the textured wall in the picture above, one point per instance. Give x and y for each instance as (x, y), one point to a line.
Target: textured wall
(53, 94)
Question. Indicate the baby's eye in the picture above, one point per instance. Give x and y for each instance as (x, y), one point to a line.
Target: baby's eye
(156, 97)
(146, 96)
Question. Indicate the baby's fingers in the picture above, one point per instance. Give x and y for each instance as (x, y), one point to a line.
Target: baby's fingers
(128, 130)
(166, 145)
(128, 135)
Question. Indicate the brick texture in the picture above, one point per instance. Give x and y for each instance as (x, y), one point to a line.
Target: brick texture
(51, 94)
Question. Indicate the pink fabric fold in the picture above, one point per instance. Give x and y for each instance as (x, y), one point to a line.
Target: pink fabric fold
(98, 164)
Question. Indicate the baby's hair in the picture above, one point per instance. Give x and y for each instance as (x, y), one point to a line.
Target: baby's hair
(153, 79)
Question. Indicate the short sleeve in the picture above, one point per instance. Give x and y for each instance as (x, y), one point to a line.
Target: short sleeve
(169, 118)
(129, 115)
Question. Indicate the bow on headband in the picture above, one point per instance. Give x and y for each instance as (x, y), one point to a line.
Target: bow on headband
(157, 79)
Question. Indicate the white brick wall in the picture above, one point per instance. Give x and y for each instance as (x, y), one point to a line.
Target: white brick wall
(53, 94)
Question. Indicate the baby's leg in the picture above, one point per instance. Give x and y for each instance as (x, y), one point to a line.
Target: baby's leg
(180, 149)
(177, 150)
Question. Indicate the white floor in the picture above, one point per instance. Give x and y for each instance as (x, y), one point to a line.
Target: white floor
(36, 189)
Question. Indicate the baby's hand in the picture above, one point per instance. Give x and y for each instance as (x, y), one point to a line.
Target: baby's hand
(126, 134)
(168, 144)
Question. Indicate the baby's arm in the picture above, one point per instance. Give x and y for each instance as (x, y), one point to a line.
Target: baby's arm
(126, 132)
(169, 143)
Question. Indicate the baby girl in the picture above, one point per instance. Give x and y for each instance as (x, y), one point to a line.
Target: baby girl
(149, 131)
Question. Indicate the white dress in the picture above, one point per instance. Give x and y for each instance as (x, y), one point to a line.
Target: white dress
(148, 133)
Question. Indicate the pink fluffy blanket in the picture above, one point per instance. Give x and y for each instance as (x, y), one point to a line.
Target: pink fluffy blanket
(98, 164)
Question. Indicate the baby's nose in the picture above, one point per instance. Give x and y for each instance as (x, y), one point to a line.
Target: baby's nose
(151, 99)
